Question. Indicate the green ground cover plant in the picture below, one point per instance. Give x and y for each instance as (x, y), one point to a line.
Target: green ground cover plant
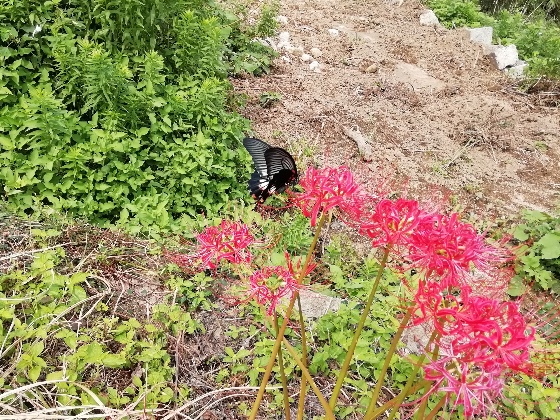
(75, 341)
(538, 260)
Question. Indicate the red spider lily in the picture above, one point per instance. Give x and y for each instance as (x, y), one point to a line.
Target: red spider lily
(296, 272)
(492, 333)
(325, 189)
(269, 284)
(450, 248)
(481, 330)
(228, 241)
(393, 221)
(465, 383)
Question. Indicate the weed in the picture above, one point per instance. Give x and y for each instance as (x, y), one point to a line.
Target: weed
(268, 99)
(539, 255)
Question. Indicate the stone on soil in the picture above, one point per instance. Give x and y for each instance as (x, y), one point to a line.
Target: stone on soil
(429, 18)
(502, 56)
(481, 36)
(316, 52)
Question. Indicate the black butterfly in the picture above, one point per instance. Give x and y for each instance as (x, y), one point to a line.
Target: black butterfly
(275, 169)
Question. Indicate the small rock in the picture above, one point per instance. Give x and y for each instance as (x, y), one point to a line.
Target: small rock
(286, 59)
(316, 52)
(333, 32)
(306, 57)
(481, 36)
(284, 45)
(372, 69)
(429, 18)
(284, 37)
(282, 19)
(503, 57)
(315, 305)
(295, 50)
(314, 66)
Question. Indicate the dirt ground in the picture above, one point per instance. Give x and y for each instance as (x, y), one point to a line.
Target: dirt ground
(431, 104)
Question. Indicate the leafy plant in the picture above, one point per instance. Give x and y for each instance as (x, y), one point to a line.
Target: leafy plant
(539, 256)
(537, 40)
(54, 332)
(268, 99)
(120, 112)
(459, 13)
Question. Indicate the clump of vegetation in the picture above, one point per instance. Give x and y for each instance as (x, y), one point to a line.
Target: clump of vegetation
(120, 112)
(539, 254)
(537, 37)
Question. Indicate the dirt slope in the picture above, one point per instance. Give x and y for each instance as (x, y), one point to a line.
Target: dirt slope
(432, 106)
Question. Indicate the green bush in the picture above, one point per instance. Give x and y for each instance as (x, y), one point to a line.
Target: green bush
(550, 8)
(537, 40)
(459, 13)
(119, 111)
(539, 254)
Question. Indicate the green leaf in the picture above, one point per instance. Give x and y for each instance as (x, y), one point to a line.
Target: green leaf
(6, 142)
(54, 376)
(550, 245)
(114, 360)
(36, 349)
(142, 131)
(520, 233)
(34, 373)
(516, 287)
(137, 381)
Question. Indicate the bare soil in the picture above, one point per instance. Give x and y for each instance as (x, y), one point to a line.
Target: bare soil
(432, 106)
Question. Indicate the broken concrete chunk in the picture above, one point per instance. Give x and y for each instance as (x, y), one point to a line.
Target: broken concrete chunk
(517, 70)
(481, 36)
(503, 57)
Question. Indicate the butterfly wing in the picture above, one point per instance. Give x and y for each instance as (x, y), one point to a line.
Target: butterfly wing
(257, 149)
(281, 168)
(275, 169)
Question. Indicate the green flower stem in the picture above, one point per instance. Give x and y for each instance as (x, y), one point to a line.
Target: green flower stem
(391, 403)
(385, 367)
(303, 388)
(328, 411)
(365, 313)
(436, 409)
(282, 330)
(400, 398)
(421, 410)
(282, 374)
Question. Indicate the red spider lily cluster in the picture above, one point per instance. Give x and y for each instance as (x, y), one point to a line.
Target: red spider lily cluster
(270, 284)
(229, 241)
(481, 341)
(480, 338)
(325, 189)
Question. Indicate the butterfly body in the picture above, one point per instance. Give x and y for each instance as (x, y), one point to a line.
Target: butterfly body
(275, 169)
